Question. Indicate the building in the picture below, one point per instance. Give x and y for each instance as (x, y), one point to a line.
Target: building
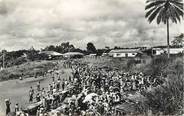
(174, 51)
(73, 55)
(124, 53)
(158, 51)
(50, 55)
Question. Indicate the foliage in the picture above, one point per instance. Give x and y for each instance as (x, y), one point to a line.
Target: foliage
(62, 48)
(101, 51)
(164, 10)
(91, 48)
(26, 70)
(19, 57)
(169, 97)
(178, 41)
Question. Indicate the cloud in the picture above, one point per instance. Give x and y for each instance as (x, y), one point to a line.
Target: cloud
(38, 23)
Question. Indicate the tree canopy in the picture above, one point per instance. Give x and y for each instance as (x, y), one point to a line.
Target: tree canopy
(62, 48)
(163, 10)
(91, 48)
(178, 40)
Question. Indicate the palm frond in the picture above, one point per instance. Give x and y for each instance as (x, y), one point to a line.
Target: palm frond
(160, 16)
(172, 15)
(154, 4)
(164, 10)
(180, 11)
(177, 4)
(175, 13)
(149, 12)
(154, 14)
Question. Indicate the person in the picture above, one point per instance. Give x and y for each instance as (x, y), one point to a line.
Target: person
(50, 87)
(38, 86)
(31, 92)
(53, 85)
(20, 78)
(16, 107)
(37, 97)
(44, 102)
(53, 79)
(59, 78)
(63, 85)
(8, 103)
(58, 84)
(43, 92)
(70, 79)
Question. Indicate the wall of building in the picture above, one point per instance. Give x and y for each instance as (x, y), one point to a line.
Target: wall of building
(124, 55)
(159, 52)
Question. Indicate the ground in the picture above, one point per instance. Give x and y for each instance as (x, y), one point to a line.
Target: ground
(18, 90)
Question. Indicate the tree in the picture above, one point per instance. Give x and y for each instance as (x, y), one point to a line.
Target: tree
(107, 47)
(50, 48)
(164, 11)
(62, 48)
(178, 41)
(67, 47)
(91, 48)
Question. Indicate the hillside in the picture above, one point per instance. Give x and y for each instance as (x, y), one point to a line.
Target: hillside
(28, 69)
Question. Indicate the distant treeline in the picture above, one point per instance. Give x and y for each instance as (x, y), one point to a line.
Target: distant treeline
(21, 56)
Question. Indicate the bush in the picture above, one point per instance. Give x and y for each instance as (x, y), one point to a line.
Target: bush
(26, 70)
(169, 97)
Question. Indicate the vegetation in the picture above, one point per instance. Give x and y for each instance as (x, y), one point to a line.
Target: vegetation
(164, 11)
(62, 48)
(26, 70)
(169, 97)
(178, 40)
(91, 48)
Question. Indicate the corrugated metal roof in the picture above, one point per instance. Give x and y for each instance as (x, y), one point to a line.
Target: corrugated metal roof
(125, 51)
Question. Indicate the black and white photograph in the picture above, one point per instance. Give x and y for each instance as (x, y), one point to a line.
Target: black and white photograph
(91, 58)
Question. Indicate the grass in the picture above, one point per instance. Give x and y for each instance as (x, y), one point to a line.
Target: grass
(26, 70)
(169, 97)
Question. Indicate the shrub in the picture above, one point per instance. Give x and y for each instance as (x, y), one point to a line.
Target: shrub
(26, 70)
(169, 97)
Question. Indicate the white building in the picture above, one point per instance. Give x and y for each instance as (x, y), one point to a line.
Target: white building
(158, 51)
(73, 55)
(124, 53)
(174, 51)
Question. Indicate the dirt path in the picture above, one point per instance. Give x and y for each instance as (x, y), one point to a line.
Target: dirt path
(18, 92)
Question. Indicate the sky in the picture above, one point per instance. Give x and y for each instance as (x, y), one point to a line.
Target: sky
(39, 23)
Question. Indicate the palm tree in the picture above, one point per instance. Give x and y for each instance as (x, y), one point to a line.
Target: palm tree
(164, 11)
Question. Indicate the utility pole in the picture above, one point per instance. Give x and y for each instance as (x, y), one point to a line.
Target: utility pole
(3, 52)
(3, 60)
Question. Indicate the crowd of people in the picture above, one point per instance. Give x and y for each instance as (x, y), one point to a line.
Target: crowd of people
(90, 90)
